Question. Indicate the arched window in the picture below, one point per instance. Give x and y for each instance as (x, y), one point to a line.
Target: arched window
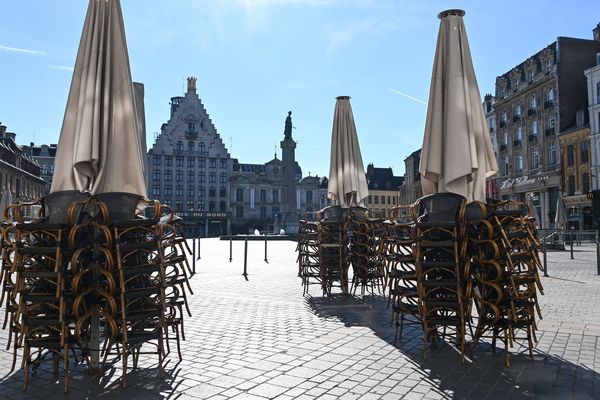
(190, 146)
(533, 103)
(179, 145)
(202, 147)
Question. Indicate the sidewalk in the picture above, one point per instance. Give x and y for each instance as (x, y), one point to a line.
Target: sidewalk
(261, 338)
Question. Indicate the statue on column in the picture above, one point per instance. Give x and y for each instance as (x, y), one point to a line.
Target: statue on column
(288, 126)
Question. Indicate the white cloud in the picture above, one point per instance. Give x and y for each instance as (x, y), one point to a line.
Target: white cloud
(22, 51)
(60, 67)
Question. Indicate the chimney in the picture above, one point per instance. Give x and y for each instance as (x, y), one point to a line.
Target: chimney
(2, 129)
(191, 81)
(596, 32)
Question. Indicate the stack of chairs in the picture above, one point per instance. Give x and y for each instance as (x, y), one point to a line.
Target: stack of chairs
(37, 284)
(308, 251)
(401, 279)
(176, 274)
(366, 251)
(333, 249)
(443, 276)
(140, 274)
(506, 270)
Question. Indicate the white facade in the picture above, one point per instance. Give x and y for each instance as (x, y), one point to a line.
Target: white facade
(593, 84)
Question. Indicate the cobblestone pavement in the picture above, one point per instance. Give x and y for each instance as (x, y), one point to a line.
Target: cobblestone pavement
(260, 338)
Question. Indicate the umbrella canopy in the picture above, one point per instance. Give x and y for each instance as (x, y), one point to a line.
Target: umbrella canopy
(99, 150)
(457, 153)
(532, 211)
(347, 180)
(5, 201)
(560, 218)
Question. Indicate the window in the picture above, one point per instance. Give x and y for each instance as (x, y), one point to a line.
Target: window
(309, 196)
(275, 196)
(263, 196)
(178, 190)
(550, 95)
(201, 177)
(222, 206)
(533, 103)
(585, 183)
(505, 139)
(212, 191)
(201, 205)
(518, 110)
(212, 177)
(156, 175)
(376, 198)
(239, 195)
(552, 153)
(168, 190)
(191, 162)
(370, 200)
(239, 212)
(202, 163)
(506, 166)
(551, 121)
(223, 191)
(263, 212)
(548, 66)
(155, 190)
(179, 145)
(223, 163)
(156, 160)
(223, 178)
(394, 200)
(191, 146)
(212, 163)
(598, 93)
(534, 162)
(534, 127)
(190, 191)
(168, 175)
(202, 147)
(190, 176)
(519, 163)
(190, 205)
(571, 185)
(179, 175)
(389, 200)
(585, 151)
(570, 155)
(519, 134)
(201, 191)
(530, 74)
(179, 161)
(516, 83)
(211, 206)
(504, 116)
(169, 161)
(178, 205)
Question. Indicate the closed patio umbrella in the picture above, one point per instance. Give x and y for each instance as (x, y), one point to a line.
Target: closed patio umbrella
(560, 218)
(99, 150)
(5, 201)
(532, 211)
(347, 181)
(457, 153)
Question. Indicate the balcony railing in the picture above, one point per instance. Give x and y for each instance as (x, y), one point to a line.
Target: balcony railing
(531, 112)
(549, 131)
(549, 104)
(516, 142)
(503, 147)
(516, 117)
(502, 124)
(532, 138)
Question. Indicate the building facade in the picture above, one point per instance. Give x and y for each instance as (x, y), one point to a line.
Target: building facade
(44, 155)
(491, 184)
(189, 167)
(576, 174)
(593, 91)
(411, 189)
(18, 171)
(535, 101)
(384, 191)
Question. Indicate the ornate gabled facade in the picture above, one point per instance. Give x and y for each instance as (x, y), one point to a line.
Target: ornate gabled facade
(411, 190)
(44, 155)
(384, 191)
(189, 166)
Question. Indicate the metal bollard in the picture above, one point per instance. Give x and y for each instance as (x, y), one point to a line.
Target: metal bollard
(245, 259)
(545, 258)
(266, 259)
(230, 249)
(194, 256)
(572, 258)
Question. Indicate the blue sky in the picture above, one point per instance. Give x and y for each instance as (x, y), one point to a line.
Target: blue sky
(257, 59)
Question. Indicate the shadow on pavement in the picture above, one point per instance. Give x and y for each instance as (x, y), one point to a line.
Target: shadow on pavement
(142, 383)
(483, 375)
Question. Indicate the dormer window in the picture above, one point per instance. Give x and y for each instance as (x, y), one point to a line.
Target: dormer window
(529, 75)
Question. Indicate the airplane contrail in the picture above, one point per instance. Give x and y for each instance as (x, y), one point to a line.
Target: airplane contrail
(405, 95)
(26, 51)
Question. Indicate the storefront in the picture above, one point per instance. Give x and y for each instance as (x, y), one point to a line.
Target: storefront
(204, 223)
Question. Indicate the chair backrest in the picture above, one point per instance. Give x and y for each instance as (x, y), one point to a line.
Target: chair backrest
(332, 214)
(55, 205)
(121, 206)
(440, 207)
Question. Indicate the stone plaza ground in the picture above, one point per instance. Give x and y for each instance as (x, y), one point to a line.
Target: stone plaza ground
(261, 339)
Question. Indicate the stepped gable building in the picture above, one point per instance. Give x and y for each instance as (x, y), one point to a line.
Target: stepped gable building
(384, 190)
(189, 167)
(44, 155)
(19, 172)
(535, 101)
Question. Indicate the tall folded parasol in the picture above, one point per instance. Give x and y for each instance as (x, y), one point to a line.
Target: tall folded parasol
(99, 150)
(457, 153)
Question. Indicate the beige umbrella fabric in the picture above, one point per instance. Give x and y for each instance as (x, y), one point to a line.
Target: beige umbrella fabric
(5, 201)
(457, 153)
(532, 211)
(99, 150)
(347, 180)
(560, 218)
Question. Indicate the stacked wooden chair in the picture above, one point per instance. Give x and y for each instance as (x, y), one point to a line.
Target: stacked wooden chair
(505, 267)
(443, 276)
(308, 251)
(333, 249)
(401, 279)
(366, 251)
